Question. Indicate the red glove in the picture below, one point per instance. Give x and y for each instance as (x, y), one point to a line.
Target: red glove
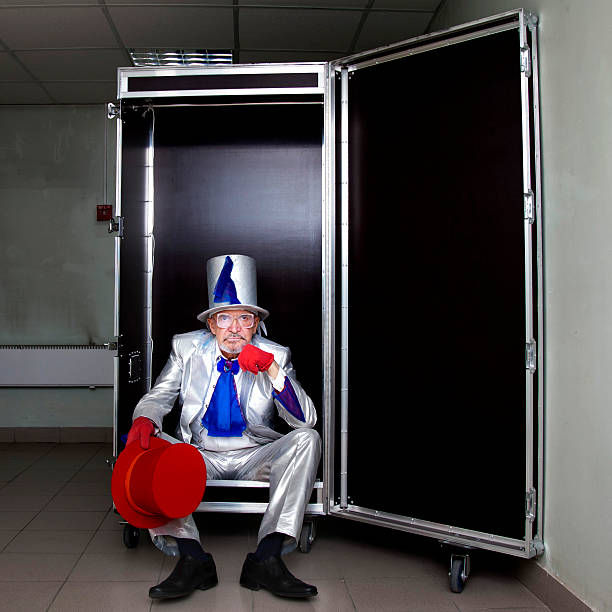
(142, 429)
(254, 359)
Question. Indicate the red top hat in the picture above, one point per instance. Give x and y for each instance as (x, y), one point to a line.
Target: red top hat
(153, 486)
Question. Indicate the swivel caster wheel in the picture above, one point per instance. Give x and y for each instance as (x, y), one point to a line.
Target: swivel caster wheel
(131, 535)
(307, 536)
(459, 572)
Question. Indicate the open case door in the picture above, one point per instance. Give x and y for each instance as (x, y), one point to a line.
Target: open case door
(437, 412)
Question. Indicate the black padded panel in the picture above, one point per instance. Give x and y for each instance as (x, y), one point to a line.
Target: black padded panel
(247, 180)
(436, 288)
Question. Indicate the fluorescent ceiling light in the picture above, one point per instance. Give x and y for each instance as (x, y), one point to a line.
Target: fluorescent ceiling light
(179, 57)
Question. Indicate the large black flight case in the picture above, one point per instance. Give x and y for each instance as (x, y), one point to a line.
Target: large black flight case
(391, 200)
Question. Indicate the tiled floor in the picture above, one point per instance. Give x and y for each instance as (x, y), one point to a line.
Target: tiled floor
(61, 549)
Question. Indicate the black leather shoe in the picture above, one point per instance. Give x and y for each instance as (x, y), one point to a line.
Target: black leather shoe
(188, 575)
(272, 574)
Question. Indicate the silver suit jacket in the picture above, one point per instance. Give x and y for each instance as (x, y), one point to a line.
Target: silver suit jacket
(187, 375)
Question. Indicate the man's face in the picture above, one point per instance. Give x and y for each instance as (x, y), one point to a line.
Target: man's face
(236, 336)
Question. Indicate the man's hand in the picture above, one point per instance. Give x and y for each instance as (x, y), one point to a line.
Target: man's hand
(142, 429)
(254, 359)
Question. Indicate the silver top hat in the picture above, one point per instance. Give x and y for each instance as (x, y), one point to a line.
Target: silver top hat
(232, 285)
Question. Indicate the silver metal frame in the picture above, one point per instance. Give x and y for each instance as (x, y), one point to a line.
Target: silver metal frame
(532, 544)
(328, 229)
(118, 162)
(124, 74)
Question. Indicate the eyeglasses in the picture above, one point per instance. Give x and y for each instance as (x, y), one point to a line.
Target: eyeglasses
(225, 320)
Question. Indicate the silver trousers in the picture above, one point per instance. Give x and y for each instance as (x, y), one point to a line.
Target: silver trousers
(289, 464)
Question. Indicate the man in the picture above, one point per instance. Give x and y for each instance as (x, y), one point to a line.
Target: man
(230, 381)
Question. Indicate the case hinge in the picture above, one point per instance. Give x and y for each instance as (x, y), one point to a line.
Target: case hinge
(530, 505)
(526, 61)
(113, 111)
(116, 225)
(530, 355)
(529, 206)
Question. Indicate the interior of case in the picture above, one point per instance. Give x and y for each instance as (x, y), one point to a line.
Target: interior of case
(235, 178)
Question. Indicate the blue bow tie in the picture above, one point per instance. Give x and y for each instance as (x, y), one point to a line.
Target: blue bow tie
(224, 417)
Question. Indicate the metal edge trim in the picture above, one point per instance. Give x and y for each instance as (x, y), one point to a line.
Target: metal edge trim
(447, 533)
(344, 255)
(360, 60)
(250, 484)
(222, 92)
(250, 508)
(540, 279)
(116, 322)
(272, 68)
(328, 256)
(149, 246)
(528, 263)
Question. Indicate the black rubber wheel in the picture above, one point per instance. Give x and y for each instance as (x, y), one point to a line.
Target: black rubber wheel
(131, 535)
(307, 536)
(457, 583)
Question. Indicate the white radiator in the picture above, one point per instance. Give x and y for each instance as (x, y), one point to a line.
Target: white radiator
(71, 365)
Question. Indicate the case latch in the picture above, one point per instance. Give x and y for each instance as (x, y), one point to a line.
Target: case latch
(134, 366)
(529, 206)
(530, 505)
(530, 355)
(526, 61)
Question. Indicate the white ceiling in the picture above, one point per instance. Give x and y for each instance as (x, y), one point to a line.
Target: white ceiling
(68, 51)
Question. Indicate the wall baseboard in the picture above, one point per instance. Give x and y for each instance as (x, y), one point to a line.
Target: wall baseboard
(548, 588)
(56, 434)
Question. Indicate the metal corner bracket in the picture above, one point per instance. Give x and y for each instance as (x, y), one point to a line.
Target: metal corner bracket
(537, 547)
(531, 20)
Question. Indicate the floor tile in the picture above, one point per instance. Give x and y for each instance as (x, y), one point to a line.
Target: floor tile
(27, 596)
(39, 566)
(369, 561)
(85, 488)
(94, 475)
(10, 469)
(130, 565)
(102, 597)
(112, 522)
(19, 487)
(504, 609)
(87, 503)
(228, 551)
(57, 521)
(111, 541)
(34, 476)
(10, 501)
(12, 519)
(6, 535)
(50, 542)
(333, 597)
(399, 594)
(484, 590)
(222, 598)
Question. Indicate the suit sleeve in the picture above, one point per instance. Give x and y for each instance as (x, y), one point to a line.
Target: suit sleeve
(158, 402)
(292, 402)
